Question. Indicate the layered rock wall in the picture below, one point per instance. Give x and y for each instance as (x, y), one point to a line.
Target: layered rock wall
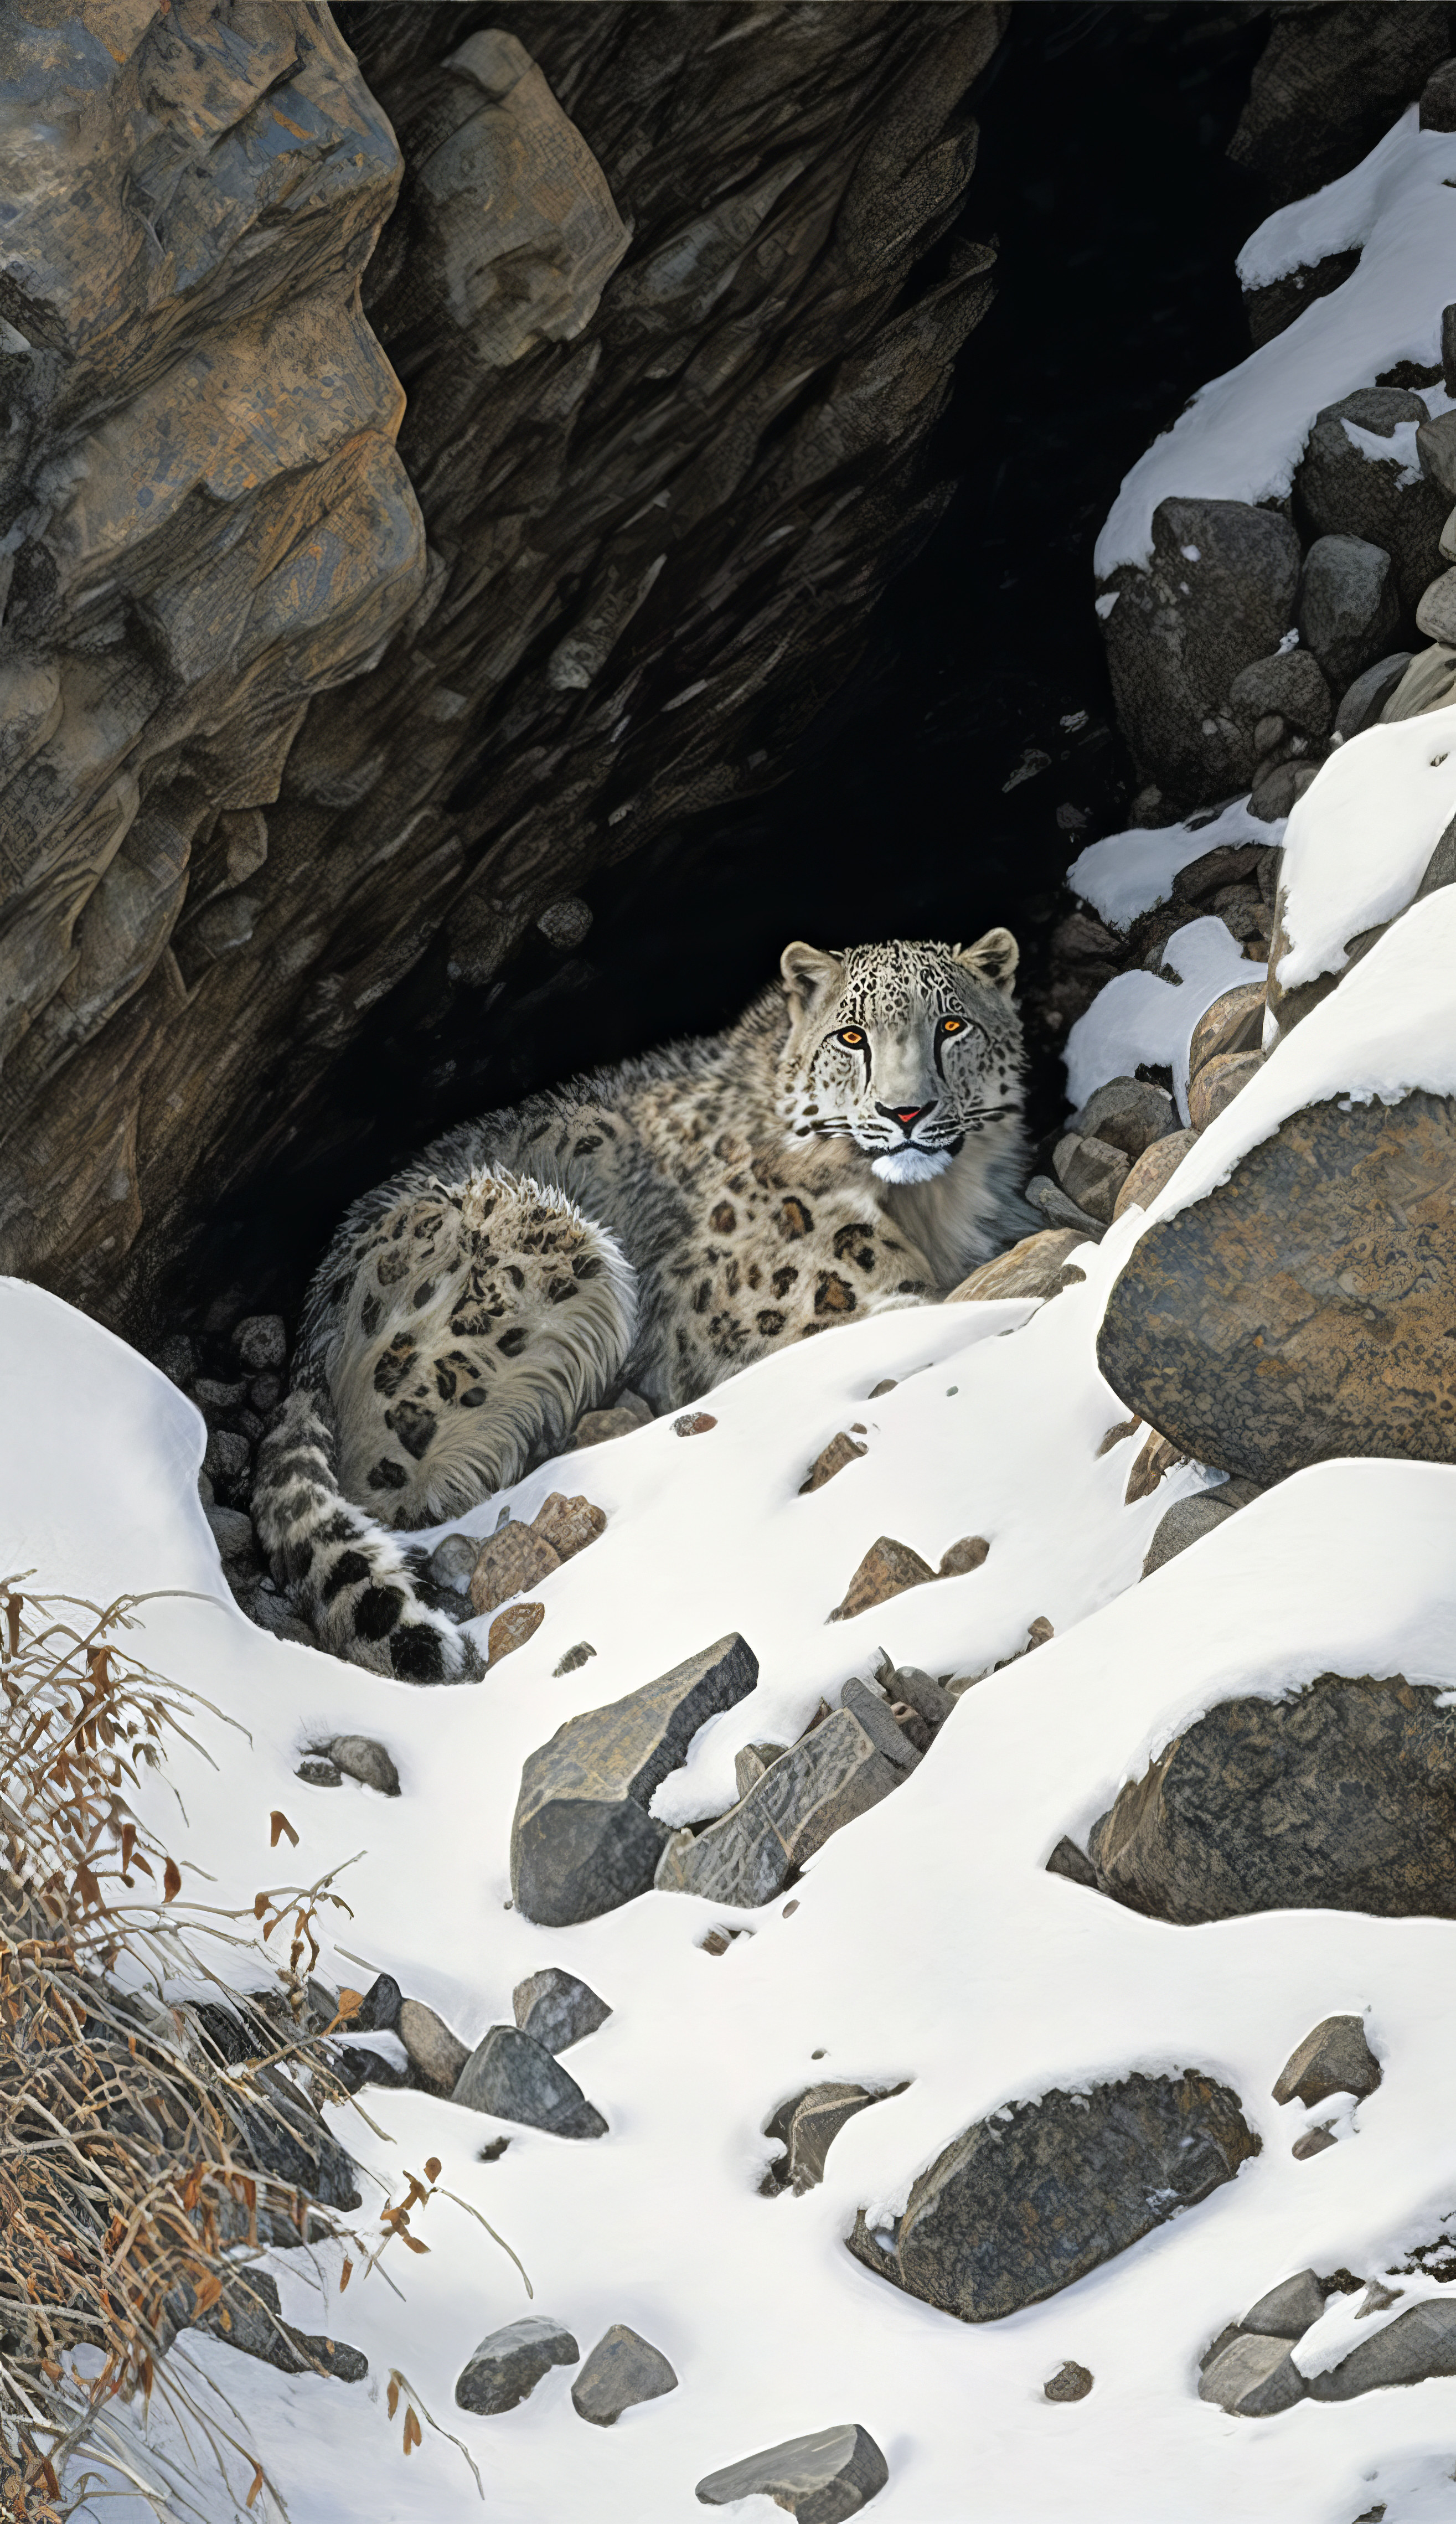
(284, 713)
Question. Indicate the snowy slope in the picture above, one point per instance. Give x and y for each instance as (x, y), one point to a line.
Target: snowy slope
(929, 1942)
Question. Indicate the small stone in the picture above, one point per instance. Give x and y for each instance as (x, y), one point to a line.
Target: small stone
(452, 1563)
(261, 1342)
(822, 2479)
(1037, 1636)
(565, 924)
(1366, 698)
(267, 1391)
(1288, 685)
(1217, 1084)
(1155, 1456)
(361, 1758)
(1288, 2309)
(509, 2363)
(1335, 2058)
(888, 1569)
(512, 1628)
(583, 1840)
(964, 1556)
(1047, 1195)
(573, 1659)
(879, 1725)
(1150, 1172)
(493, 2150)
(1128, 1113)
(436, 2055)
(839, 1451)
(232, 1532)
(555, 2009)
(1313, 2142)
(516, 2080)
(249, 2317)
(929, 1699)
(1349, 605)
(177, 1357)
(1274, 794)
(515, 1558)
(887, 1385)
(693, 1424)
(1187, 1520)
(1069, 1860)
(1377, 2299)
(597, 1427)
(568, 1525)
(1233, 1022)
(1090, 1173)
(379, 2008)
(1253, 2378)
(1070, 2383)
(1439, 99)
(318, 1773)
(622, 2370)
(1034, 1268)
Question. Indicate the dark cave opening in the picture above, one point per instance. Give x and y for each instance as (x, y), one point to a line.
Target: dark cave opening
(1103, 182)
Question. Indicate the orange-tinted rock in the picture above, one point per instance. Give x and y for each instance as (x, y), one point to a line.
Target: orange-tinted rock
(567, 1524)
(1145, 1178)
(514, 1559)
(512, 1628)
(887, 1568)
(838, 1452)
(1037, 1267)
(964, 1556)
(1154, 1457)
(1234, 1023)
(693, 1424)
(1217, 1084)
(1303, 1309)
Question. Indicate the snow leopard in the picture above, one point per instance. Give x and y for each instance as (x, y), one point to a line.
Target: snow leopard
(853, 1143)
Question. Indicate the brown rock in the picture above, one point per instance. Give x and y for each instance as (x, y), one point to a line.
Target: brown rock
(512, 1628)
(1302, 1310)
(693, 1424)
(1146, 1176)
(888, 1384)
(567, 1524)
(1091, 1172)
(1335, 2058)
(514, 1558)
(887, 1568)
(595, 1427)
(1118, 1435)
(1313, 2142)
(1127, 1113)
(1154, 1457)
(1234, 1023)
(964, 1556)
(838, 1452)
(1070, 2383)
(435, 2054)
(1034, 1268)
(1218, 1082)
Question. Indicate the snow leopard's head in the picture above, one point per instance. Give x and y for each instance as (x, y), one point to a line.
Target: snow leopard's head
(904, 1049)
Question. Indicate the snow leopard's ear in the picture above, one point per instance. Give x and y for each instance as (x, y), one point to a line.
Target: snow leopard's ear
(994, 958)
(809, 976)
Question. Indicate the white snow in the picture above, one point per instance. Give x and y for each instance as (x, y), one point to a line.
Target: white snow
(1139, 1017)
(1130, 872)
(1397, 448)
(1242, 434)
(1359, 840)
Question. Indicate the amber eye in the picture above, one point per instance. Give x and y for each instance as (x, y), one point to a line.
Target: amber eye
(952, 1025)
(852, 1038)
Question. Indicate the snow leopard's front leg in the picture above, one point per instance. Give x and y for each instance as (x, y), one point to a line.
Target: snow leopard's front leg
(450, 1333)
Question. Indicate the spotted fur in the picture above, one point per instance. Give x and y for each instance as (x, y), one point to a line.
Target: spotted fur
(853, 1143)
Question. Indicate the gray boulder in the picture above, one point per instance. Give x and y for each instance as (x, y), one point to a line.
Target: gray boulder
(1417, 2344)
(1335, 2058)
(1349, 605)
(583, 1841)
(1340, 1798)
(1290, 685)
(361, 1758)
(515, 2078)
(1027, 2202)
(1253, 2378)
(1342, 488)
(509, 2363)
(452, 1563)
(1180, 632)
(1436, 614)
(255, 2325)
(929, 1699)
(750, 1853)
(1092, 1173)
(1366, 698)
(622, 2370)
(1188, 1519)
(1045, 1194)
(379, 2008)
(884, 1731)
(1328, 85)
(1071, 2382)
(555, 2009)
(1287, 2311)
(822, 2479)
(261, 1343)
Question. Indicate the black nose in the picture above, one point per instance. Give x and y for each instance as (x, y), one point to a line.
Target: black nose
(906, 1115)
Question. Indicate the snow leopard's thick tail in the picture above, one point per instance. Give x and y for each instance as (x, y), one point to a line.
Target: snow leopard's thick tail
(353, 1583)
(454, 1330)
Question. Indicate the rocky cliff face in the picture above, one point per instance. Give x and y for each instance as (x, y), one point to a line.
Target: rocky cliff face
(288, 706)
